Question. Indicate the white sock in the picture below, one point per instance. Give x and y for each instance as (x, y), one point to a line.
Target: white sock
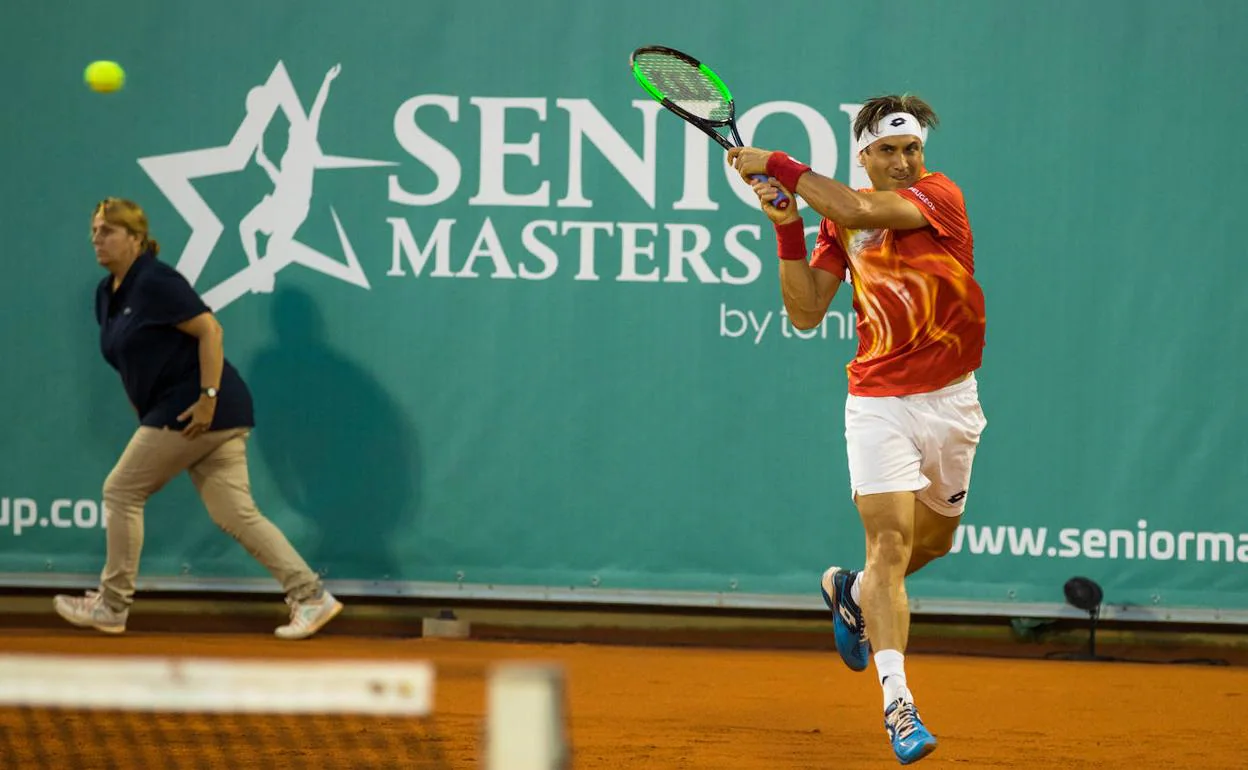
(855, 588)
(890, 666)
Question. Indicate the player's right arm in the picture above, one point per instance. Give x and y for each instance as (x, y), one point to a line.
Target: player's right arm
(807, 290)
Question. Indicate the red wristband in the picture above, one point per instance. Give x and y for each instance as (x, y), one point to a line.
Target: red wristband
(785, 170)
(791, 240)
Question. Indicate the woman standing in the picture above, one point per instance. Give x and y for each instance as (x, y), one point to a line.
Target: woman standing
(195, 415)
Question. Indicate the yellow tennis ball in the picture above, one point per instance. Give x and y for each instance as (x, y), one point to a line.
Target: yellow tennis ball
(105, 76)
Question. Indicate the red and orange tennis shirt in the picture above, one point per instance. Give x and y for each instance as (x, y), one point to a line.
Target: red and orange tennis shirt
(920, 310)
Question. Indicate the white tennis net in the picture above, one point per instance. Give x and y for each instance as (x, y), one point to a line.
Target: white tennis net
(154, 713)
(149, 712)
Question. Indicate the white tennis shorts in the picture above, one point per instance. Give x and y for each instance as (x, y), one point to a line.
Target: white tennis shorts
(924, 443)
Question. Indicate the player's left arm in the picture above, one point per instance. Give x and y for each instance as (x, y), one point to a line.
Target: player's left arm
(832, 199)
(859, 210)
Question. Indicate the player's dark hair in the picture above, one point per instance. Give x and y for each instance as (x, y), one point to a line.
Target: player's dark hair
(877, 107)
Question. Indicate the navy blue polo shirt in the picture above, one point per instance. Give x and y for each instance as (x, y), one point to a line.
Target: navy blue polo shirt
(159, 365)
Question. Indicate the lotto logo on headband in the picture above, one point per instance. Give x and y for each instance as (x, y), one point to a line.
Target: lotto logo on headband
(893, 124)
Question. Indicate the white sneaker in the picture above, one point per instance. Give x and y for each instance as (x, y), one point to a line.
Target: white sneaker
(90, 611)
(308, 617)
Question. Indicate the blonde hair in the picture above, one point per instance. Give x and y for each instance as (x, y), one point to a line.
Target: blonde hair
(129, 216)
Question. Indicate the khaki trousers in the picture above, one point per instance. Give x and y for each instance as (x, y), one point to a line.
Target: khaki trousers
(217, 464)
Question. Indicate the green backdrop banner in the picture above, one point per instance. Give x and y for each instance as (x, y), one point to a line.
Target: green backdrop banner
(524, 331)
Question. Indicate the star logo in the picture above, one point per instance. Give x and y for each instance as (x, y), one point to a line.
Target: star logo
(280, 214)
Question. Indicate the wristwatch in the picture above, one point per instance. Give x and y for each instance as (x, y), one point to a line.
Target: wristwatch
(209, 391)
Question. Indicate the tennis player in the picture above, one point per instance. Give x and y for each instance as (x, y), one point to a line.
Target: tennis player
(912, 415)
(195, 415)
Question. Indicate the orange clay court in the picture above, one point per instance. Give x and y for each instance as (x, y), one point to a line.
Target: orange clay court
(698, 708)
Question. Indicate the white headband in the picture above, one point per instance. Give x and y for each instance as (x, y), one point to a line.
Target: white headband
(893, 124)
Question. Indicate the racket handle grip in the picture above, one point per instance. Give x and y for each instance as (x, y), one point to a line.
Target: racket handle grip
(782, 200)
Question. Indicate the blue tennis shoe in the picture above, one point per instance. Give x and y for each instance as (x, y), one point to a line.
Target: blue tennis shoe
(910, 738)
(848, 625)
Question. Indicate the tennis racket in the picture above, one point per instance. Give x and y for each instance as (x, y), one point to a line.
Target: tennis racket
(690, 89)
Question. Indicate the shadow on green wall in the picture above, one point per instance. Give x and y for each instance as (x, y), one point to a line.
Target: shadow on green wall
(341, 451)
